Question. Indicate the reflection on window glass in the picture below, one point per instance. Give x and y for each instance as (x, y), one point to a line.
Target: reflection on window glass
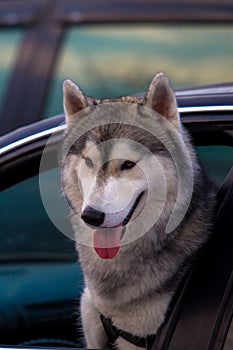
(108, 61)
(26, 230)
(216, 161)
(9, 42)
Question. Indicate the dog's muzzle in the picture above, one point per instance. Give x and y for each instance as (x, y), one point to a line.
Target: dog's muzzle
(95, 218)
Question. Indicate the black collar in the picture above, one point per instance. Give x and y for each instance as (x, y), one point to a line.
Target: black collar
(113, 333)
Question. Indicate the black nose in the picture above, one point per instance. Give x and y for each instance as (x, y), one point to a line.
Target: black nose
(92, 216)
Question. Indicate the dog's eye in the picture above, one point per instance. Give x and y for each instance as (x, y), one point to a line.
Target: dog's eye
(88, 162)
(127, 165)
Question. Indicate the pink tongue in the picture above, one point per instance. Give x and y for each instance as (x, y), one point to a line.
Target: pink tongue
(107, 242)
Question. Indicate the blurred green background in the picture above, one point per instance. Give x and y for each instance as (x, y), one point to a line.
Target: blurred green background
(109, 61)
(113, 61)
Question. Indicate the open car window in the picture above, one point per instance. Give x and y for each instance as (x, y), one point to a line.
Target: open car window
(26, 229)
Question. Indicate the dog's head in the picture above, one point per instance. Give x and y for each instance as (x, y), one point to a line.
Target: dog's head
(111, 167)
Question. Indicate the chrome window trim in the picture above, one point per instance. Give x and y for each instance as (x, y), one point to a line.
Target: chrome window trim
(222, 90)
(60, 128)
(206, 109)
(32, 138)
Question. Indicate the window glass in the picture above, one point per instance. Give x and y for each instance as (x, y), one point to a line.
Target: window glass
(216, 161)
(26, 230)
(9, 42)
(109, 61)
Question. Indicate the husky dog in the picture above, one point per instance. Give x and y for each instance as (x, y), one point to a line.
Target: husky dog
(141, 208)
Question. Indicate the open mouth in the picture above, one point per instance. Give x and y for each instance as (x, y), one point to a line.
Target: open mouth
(107, 241)
(130, 213)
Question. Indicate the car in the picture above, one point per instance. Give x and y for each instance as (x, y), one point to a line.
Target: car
(40, 288)
(41, 280)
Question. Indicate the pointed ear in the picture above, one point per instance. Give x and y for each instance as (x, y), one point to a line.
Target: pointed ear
(74, 99)
(161, 99)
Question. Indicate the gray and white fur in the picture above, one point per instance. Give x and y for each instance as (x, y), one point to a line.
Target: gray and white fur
(133, 289)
